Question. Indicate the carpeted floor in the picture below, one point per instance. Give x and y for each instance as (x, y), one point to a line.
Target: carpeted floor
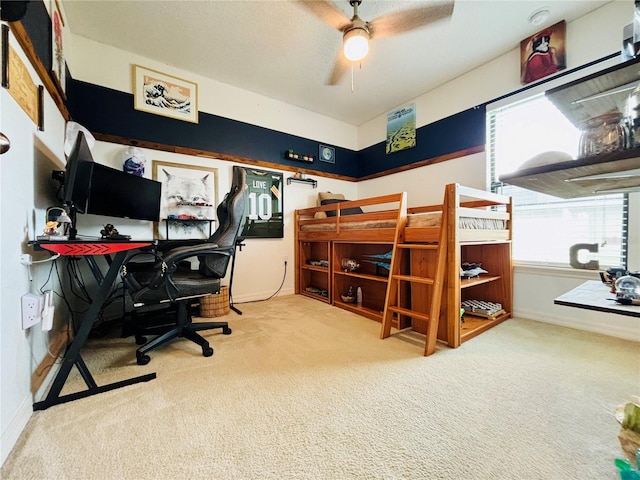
(303, 390)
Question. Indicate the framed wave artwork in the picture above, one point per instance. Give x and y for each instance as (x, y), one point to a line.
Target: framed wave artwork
(162, 94)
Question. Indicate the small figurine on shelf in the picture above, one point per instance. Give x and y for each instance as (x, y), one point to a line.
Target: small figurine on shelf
(349, 265)
(349, 297)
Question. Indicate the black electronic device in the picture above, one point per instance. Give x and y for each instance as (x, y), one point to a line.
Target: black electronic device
(115, 193)
(77, 180)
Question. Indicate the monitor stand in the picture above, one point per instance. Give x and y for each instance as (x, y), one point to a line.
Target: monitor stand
(73, 231)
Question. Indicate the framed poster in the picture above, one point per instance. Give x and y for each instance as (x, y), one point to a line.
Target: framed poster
(57, 53)
(263, 204)
(543, 54)
(401, 129)
(188, 200)
(162, 94)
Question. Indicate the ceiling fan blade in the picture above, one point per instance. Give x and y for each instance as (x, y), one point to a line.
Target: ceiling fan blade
(340, 67)
(328, 12)
(407, 20)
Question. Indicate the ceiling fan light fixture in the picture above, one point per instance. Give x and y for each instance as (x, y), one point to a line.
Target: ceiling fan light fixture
(356, 44)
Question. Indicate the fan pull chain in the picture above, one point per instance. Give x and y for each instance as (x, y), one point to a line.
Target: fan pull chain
(352, 76)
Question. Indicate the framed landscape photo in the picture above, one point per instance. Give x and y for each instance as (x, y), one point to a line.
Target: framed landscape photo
(263, 204)
(188, 200)
(162, 94)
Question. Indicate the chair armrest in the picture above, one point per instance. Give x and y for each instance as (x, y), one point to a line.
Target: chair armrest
(178, 254)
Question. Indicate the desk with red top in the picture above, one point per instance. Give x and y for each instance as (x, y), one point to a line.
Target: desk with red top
(88, 249)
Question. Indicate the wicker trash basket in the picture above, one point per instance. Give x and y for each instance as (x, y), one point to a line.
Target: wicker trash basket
(215, 305)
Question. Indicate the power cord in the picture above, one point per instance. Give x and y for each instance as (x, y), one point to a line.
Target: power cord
(273, 294)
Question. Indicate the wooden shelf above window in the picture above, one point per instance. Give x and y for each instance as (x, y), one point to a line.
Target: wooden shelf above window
(584, 177)
(579, 101)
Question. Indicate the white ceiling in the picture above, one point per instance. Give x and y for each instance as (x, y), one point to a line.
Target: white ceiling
(278, 49)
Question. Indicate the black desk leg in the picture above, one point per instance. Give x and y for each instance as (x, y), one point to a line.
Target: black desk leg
(72, 356)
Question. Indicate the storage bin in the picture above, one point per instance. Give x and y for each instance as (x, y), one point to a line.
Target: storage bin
(215, 305)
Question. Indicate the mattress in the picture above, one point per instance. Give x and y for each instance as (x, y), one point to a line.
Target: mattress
(416, 220)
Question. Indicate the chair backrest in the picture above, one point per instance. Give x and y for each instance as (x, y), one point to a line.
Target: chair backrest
(230, 213)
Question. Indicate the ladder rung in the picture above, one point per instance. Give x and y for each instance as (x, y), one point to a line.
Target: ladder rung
(418, 246)
(410, 313)
(414, 279)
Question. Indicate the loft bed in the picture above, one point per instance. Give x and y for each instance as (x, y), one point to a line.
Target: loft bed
(381, 216)
(479, 231)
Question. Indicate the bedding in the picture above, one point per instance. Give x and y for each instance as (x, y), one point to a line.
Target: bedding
(419, 220)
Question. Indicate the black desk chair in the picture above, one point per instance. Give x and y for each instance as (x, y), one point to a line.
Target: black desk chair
(163, 292)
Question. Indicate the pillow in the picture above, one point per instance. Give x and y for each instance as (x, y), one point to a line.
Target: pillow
(328, 195)
(320, 215)
(346, 211)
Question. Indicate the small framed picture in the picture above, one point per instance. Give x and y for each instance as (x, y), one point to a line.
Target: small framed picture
(543, 53)
(327, 154)
(162, 94)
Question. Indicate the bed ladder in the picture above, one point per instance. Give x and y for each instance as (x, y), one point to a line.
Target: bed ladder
(404, 302)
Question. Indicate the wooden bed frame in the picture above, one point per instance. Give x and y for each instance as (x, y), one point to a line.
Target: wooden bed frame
(387, 219)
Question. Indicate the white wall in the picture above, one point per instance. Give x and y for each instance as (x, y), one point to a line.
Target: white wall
(21, 351)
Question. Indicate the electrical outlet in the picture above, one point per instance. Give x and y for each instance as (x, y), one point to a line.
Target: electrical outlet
(285, 259)
(31, 310)
(26, 259)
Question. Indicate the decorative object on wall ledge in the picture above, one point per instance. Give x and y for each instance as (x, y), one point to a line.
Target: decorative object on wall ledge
(133, 161)
(401, 129)
(543, 53)
(291, 155)
(307, 181)
(327, 154)
(162, 94)
(264, 205)
(5, 56)
(189, 195)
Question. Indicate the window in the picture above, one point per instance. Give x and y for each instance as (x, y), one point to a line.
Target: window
(545, 227)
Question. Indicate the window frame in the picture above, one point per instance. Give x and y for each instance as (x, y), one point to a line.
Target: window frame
(531, 92)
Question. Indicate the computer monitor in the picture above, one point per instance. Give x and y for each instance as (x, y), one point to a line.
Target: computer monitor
(77, 180)
(115, 193)
(77, 175)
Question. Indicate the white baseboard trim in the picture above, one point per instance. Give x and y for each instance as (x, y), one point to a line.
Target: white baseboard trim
(16, 426)
(257, 296)
(588, 325)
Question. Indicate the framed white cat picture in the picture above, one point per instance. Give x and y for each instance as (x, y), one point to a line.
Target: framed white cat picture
(188, 200)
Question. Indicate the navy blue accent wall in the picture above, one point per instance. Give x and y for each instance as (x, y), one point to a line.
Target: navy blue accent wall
(452, 134)
(107, 111)
(111, 112)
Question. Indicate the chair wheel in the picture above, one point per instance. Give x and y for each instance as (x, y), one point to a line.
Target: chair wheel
(141, 340)
(207, 351)
(143, 359)
(226, 331)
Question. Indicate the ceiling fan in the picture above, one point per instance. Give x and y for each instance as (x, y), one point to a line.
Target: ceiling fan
(356, 33)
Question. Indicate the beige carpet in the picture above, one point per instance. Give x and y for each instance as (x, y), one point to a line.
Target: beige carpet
(303, 390)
